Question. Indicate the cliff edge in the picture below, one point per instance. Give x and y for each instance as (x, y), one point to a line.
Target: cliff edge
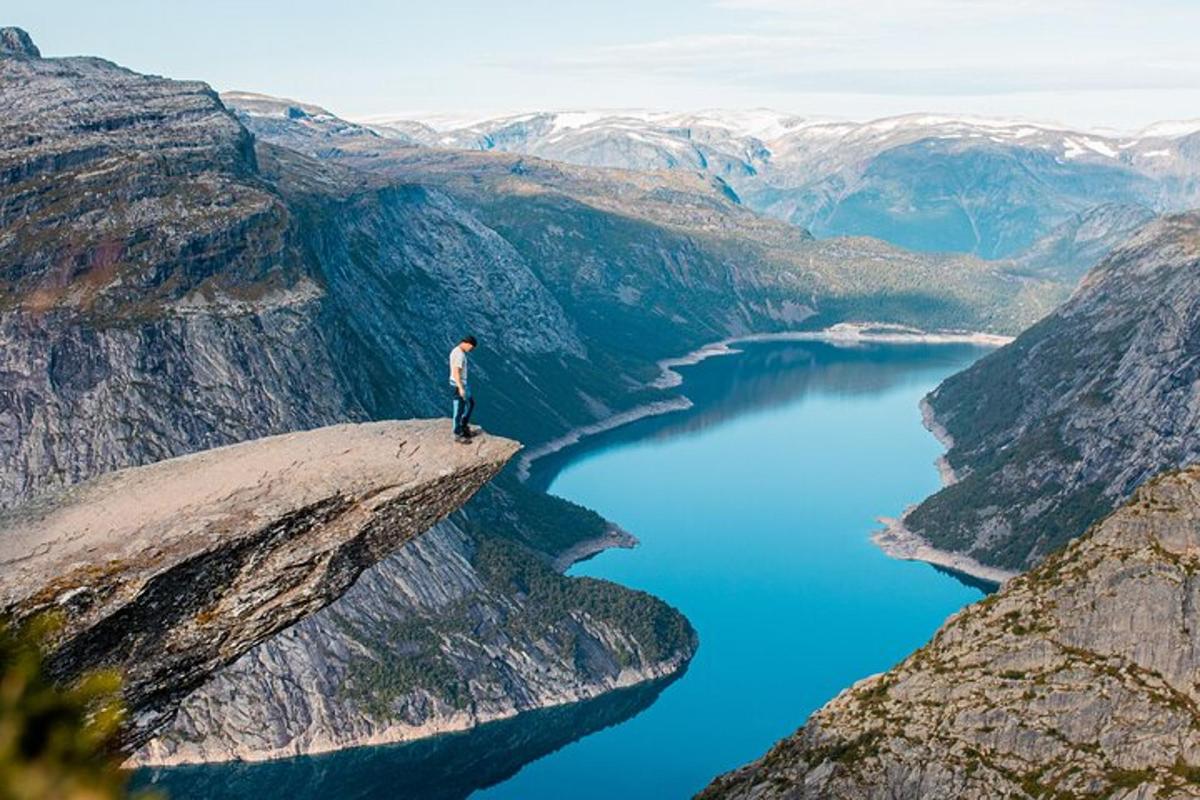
(169, 571)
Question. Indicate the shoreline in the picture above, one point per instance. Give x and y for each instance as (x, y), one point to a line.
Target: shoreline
(397, 734)
(615, 538)
(897, 541)
(929, 420)
(841, 333)
(576, 435)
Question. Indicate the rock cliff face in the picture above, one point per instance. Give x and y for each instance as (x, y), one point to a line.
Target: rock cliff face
(1052, 431)
(169, 571)
(169, 287)
(1076, 680)
(472, 647)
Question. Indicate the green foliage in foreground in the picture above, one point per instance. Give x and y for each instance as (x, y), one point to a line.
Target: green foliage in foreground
(55, 743)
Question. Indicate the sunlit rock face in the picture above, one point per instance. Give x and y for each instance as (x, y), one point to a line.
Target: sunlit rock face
(171, 570)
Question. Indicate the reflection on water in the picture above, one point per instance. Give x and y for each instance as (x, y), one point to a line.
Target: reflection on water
(765, 375)
(444, 768)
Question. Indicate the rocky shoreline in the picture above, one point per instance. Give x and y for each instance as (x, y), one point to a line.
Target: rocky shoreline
(576, 435)
(615, 537)
(898, 541)
(929, 420)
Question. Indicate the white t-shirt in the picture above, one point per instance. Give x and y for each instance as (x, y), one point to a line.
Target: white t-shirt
(458, 358)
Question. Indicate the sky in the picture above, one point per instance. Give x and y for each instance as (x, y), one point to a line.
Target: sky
(1083, 63)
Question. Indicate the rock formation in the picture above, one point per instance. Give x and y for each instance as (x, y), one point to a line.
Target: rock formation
(453, 631)
(169, 571)
(1054, 430)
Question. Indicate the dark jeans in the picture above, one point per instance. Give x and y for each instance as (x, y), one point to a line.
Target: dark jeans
(463, 406)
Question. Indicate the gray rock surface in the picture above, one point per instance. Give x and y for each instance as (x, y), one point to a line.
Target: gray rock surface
(1076, 680)
(16, 42)
(1084, 240)
(1055, 429)
(169, 571)
(431, 641)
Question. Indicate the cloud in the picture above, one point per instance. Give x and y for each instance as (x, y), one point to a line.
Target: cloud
(909, 47)
(875, 10)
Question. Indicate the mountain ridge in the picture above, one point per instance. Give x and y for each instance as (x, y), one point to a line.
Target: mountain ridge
(838, 177)
(1053, 430)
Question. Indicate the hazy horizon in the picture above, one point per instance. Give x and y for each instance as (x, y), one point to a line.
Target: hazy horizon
(456, 118)
(1093, 64)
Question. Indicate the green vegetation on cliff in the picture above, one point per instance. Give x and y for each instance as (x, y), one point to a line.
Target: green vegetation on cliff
(1053, 431)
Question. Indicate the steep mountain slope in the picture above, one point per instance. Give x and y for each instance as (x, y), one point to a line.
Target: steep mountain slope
(927, 182)
(169, 287)
(1075, 680)
(1052, 431)
(1083, 241)
(479, 632)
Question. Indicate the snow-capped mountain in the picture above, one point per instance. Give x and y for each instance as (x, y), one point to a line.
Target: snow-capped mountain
(925, 181)
(994, 188)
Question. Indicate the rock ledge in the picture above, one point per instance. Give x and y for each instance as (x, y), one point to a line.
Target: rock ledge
(171, 570)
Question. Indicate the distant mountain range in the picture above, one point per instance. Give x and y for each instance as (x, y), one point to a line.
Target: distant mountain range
(925, 182)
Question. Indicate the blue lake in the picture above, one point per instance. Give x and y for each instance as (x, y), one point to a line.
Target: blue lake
(754, 510)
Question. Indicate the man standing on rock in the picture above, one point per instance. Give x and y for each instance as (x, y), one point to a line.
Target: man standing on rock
(464, 403)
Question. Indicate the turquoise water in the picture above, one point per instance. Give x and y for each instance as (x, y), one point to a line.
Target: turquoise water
(754, 510)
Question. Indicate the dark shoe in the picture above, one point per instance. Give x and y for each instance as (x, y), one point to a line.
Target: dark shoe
(462, 439)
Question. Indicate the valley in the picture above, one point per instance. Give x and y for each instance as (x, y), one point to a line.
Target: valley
(723, 340)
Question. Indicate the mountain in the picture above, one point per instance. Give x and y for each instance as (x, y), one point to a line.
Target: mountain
(172, 281)
(925, 182)
(1080, 243)
(456, 630)
(1052, 431)
(168, 572)
(718, 142)
(781, 278)
(324, 131)
(170, 285)
(1075, 680)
